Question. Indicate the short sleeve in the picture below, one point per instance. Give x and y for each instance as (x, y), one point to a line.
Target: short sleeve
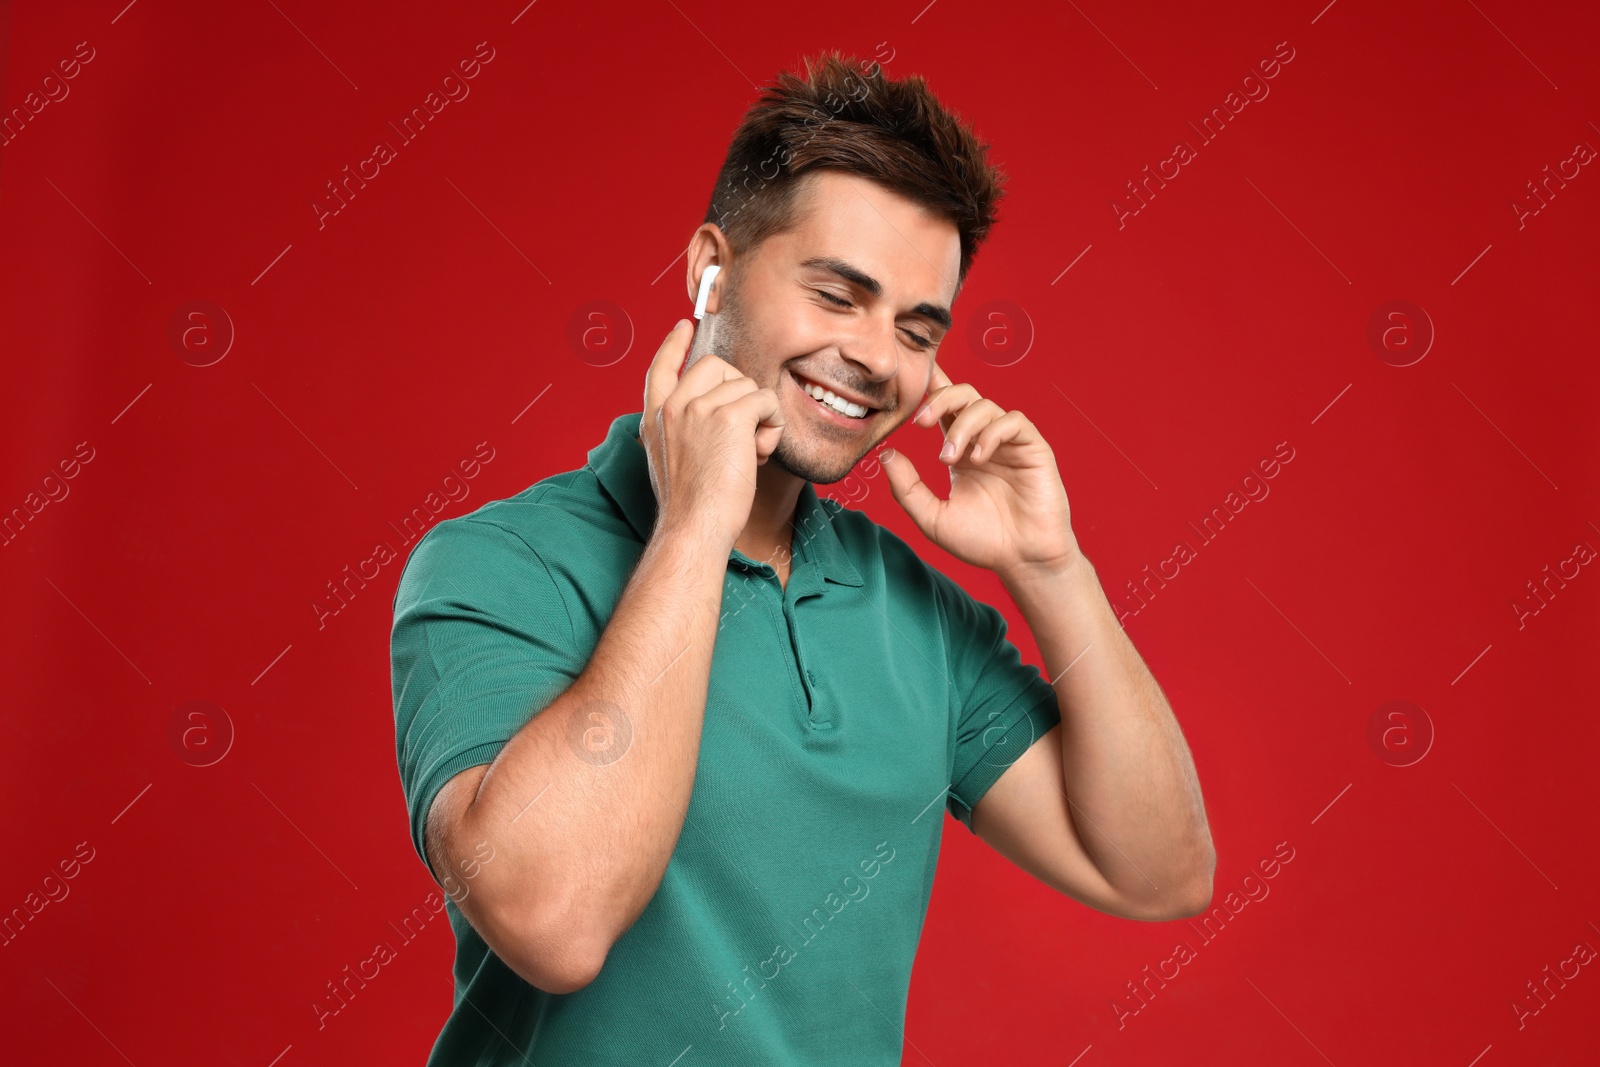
(1002, 705)
(481, 643)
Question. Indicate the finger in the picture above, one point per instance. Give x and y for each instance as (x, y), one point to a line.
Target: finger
(662, 377)
(766, 444)
(1012, 426)
(937, 381)
(719, 395)
(910, 492)
(966, 425)
(767, 439)
(707, 373)
(698, 380)
(765, 415)
(772, 411)
(725, 402)
(943, 405)
(769, 431)
(716, 370)
(762, 406)
(697, 409)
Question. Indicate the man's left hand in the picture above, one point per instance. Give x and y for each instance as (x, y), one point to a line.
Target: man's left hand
(1007, 509)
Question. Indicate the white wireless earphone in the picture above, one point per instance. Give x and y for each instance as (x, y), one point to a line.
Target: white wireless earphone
(706, 279)
(706, 329)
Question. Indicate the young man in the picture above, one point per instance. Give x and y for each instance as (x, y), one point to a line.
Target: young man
(674, 732)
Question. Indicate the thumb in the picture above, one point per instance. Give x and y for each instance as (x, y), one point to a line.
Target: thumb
(910, 492)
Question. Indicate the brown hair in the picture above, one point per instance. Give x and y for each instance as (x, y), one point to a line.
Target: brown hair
(846, 115)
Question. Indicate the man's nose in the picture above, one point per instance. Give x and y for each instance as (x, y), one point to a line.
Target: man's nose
(874, 349)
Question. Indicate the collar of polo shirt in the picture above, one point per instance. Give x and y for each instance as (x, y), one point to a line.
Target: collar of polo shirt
(619, 463)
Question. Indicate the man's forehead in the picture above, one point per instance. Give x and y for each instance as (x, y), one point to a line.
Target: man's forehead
(848, 217)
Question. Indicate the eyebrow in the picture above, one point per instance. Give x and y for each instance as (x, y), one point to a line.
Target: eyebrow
(855, 276)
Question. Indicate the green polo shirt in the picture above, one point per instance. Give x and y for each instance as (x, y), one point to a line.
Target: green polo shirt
(845, 714)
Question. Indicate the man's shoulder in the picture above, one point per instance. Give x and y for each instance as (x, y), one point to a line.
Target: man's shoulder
(569, 499)
(550, 519)
(547, 506)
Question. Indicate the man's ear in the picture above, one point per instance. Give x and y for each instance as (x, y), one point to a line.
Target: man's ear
(708, 247)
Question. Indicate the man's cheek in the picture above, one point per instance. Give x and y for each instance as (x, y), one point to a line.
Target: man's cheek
(916, 395)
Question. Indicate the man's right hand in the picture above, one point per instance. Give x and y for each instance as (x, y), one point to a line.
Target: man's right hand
(704, 436)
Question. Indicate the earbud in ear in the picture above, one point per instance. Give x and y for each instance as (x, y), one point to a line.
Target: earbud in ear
(705, 290)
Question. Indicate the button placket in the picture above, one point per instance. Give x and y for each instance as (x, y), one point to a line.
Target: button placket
(820, 712)
(763, 578)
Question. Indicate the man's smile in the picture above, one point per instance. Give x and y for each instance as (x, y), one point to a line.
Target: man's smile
(844, 408)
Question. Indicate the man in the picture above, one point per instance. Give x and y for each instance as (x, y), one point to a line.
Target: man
(674, 731)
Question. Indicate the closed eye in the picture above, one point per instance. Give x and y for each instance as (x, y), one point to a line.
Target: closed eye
(921, 341)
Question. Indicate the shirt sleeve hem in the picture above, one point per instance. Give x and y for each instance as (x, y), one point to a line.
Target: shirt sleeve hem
(472, 755)
(1013, 736)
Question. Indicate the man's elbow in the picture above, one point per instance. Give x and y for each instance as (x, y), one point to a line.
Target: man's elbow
(552, 954)
(1186, 901)
(553, 973)
(1195, 903)
(1197, 897)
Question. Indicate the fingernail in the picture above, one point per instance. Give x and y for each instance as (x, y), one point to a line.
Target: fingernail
(886, 455)
(918, 416)
(948, 451)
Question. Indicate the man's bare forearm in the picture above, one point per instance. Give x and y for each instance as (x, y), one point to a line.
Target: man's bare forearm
(1135, 795)
(586, 802)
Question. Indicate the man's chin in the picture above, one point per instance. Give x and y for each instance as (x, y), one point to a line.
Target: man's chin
(811, 468)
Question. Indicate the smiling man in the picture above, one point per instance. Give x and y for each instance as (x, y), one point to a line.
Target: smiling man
(675, 733)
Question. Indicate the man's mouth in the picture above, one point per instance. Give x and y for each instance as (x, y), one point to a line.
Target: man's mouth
(831, 402)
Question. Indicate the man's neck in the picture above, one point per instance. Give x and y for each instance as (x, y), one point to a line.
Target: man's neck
(768, 535)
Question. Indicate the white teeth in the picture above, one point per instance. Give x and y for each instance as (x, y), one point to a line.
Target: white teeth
(844, 407)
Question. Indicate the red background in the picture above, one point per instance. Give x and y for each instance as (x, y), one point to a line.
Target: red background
(1230, 314)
